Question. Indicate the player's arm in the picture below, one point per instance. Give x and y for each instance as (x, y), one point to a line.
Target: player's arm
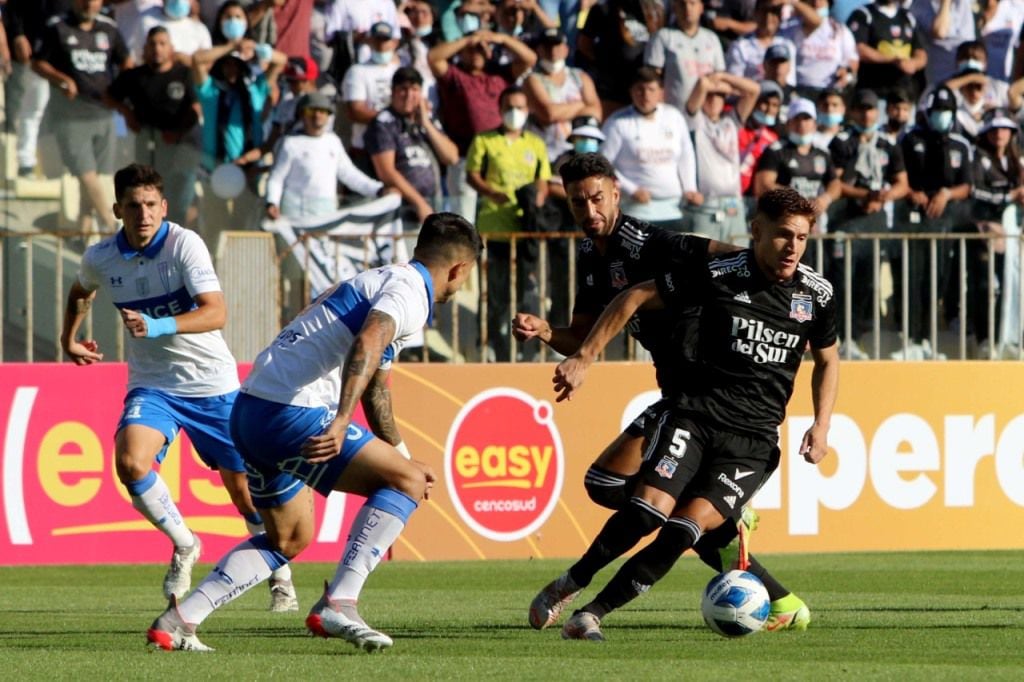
(564, 340)
(570, 372)
(361, 363)
(210, 314)
(824, 389)
(79, 303)
(380, 415)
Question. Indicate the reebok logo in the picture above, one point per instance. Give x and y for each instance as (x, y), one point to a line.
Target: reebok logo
(742, 297)
(740, 475)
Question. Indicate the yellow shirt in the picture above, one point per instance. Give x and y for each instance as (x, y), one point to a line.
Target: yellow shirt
(506, 163)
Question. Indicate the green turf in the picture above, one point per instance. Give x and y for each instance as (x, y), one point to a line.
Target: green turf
(921, 616)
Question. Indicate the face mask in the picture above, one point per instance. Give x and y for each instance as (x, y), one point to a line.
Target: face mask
(763, 118)
(940, 121)
(801, 140)
(424, 31)
(970, 64)
(830, 119)
(515, 32)
(514, 119)
(865, 129)
(233, 28)
(469, 23)
(177, 9)
(264, 52)
(548, 66)
(823, 12)
(383, 57)
(586, 145)
(976, 108)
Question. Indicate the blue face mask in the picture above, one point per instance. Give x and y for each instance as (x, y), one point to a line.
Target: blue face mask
(801, 140)
(830, 119)
(424, 31)
(233, 28)
(177, 9)
(469, 23)
(940, 121)
(865, 129)
(972, 64)
(382, 57)
(586, 145)
(823, 12)
(763, 118)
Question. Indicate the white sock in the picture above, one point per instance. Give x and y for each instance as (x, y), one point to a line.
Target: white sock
(152, 498)
(245, 566)
(284, 573)
(375, 528)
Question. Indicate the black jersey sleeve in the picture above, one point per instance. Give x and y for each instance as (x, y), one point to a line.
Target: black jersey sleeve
(823, 331)
(685, 270)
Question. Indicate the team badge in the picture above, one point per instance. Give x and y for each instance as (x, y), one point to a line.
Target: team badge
(175, 90)
(666, 467)
(142, 286)
(819, 165)
(102, 42)
(618, 273)
(801, 308)
(955, 158)
(530, 157)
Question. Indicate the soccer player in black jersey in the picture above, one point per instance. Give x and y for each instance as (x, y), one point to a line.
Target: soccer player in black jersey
(715, 443)
(621, 251)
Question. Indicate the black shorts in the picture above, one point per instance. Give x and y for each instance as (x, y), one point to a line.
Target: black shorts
(650, 413)
(687, 458)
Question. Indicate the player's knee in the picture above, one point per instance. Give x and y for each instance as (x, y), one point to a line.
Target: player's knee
(410, 481)
(644, 517)
(289, 544)
(605, 487)
(132, 467)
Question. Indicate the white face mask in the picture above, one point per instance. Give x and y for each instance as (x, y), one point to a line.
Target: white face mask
(976, 108)
(514, 119)
(549, 66)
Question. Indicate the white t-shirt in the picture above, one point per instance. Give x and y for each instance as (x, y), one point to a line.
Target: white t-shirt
(358, 16)
(653, 153)
(303, 365)
(308, 168)
(819, 54)
(162, 280)
(187, 35)
(746, 57)
(717, 147)
(556, 135)
(683, 60)
(370, 83)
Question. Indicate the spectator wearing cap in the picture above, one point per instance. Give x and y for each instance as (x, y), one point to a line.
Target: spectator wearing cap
(297, 186)
(469, 90)
(186, 34)
(722, 215)
(301, 74)
(899, 109)
(891, 48)
(236, 92)
(649, 144)
(158, 102)
(746, 57)
(366, 89)
(408, 147)
(944, 24)
(831, 114)
(611, 45)
(826, 53)
(684, 52)
(871, 174)
(778, 68)
(939, 172)
(499, 163)
(80, 53)
(350, 22)
(998, 184)
(558, 93)
(757, 134)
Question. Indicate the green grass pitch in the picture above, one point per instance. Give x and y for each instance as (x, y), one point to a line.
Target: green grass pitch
(908, 616)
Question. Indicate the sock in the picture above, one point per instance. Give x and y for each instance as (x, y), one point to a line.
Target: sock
(707, 548)
(254, 524)
(774, 587)
(152, 498)
(605, 487)
(248, 564)
(624, 529)
(647, 566)
(375, 528)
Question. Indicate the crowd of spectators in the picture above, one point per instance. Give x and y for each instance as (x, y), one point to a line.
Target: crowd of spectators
(893, 117)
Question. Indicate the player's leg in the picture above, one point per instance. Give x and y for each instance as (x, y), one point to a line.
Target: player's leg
(610, 479)
(146, 428)
(393, 487)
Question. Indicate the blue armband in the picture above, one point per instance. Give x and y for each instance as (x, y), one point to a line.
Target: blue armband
(159, 326)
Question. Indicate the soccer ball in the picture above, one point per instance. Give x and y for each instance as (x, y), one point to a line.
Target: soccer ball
(735, 603)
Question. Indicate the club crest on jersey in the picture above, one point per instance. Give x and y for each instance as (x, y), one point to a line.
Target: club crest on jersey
(819, 165)
(618, 274)
(801, 308)
(955, 158)
(102, 42)
(666, 467)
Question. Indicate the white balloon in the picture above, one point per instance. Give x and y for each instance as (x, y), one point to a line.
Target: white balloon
(227, 181)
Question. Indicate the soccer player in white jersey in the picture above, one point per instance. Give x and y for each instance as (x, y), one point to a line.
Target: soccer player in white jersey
(293, 425)
(181, 374)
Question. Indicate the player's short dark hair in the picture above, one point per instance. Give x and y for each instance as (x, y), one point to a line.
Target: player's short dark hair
(583, 166)
(645, 74)
(508, 92)
(446, 238)
(784, 202)
(136, 175)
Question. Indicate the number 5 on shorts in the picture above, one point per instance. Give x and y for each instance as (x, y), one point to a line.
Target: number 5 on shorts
(679, 442)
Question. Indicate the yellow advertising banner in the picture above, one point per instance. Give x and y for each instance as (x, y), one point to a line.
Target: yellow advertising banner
(923, 456)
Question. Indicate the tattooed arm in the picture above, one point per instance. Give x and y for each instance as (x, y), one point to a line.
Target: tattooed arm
(377, 407)
(361, 364)
(79, 303)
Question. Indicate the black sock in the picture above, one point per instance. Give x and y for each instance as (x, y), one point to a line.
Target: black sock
(647, 566)
(774, 587)
(605, 487)
(624, 529)
(712, 541)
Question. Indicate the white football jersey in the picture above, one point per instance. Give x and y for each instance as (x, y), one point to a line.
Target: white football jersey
(160, 281)
(303, 365)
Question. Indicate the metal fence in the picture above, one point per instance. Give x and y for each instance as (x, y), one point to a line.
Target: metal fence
(264, 290)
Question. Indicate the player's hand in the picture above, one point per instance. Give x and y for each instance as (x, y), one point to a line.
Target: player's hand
(327, 445)
(429, 474)
(569, 376)
(526, 326)
(85, 352)
(134, 322)
(814, 445)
